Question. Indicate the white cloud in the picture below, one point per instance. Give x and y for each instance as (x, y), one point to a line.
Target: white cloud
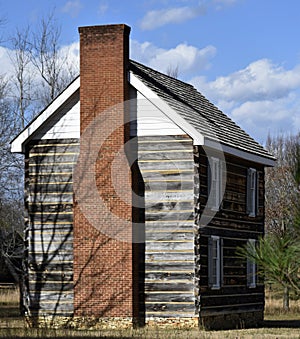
(73, 8)
(175, 15)
(68, 56)
(157, 18)
(258, 81)
(261, 97)
(187, 58)
(268, 116)
(5, 62)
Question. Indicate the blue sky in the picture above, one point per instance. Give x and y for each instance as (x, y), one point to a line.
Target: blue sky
(243, 55)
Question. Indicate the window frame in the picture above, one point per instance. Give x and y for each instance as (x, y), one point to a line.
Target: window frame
(252, 192)
(214, 183)
(215, 262)
(251, 268)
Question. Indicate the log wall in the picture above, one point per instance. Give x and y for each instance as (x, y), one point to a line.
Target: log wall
(49, 226)
(166, 166)
(235, 227)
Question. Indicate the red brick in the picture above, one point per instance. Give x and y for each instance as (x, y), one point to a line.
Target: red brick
(103, 269)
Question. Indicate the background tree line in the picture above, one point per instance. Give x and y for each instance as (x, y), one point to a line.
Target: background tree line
(41, 69)
(278, 253)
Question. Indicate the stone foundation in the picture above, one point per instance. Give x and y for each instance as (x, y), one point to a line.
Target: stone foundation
(81, 323)
(93, 323)
(172, 322)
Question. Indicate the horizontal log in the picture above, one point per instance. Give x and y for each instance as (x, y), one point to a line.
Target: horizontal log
(169, 266)
(52, 307)
(168, 245)
(170, 206)
(162, 184)
(49, 227)
(182, 235)
(167, 276)
(161, 144)
(41, 269)
(169, 215)
(167, 176)
(234, 299)
(163, 296)
(50, 248)
(167, 154)
(235, 223)
(50, 198)
(187, 286)
(50, 208)
(58, 258)
(50, 187)
(168, 196)
(56, 287)
(188, 256)
(33, 178)
(231, 289)
(170, 165)
(47, 277)
(169, 227)
(50, 238)
(51, 296)
(229, 233)
(42, 217)
(166, 307)
(230, 309)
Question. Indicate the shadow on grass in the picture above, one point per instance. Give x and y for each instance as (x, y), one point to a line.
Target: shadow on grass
(281, 324)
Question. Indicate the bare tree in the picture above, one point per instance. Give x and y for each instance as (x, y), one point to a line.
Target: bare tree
(172, 71)
(11, 206)
(282, 189)
(51, 64)
(278, 253)
(22, 80)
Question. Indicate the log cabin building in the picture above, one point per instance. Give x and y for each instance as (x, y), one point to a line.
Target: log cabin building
(151, 236)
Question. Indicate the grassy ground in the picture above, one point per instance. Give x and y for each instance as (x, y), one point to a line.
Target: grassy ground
(278, 324)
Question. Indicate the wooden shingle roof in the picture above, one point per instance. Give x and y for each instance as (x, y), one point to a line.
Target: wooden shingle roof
(199, 112)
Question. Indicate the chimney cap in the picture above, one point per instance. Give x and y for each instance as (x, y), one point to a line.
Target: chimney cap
(102, 29)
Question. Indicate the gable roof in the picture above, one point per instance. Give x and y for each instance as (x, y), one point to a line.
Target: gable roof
(206, 118)
(182, 103)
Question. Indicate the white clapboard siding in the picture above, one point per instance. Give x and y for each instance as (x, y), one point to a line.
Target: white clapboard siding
(65, 124)
(149, 119)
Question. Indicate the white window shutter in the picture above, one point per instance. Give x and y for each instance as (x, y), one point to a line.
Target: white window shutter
(251, 192)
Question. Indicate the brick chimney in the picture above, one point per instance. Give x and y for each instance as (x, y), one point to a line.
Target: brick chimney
(103, 273)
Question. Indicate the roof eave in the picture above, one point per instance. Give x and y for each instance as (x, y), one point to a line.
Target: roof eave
(18, 143)
(240, 153)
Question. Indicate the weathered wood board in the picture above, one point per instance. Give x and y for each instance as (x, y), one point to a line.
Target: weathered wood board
(166, 166)
(49, 226)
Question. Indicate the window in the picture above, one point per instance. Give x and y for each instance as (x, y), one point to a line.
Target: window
(215, 262)
(252, 192)
(214, 183)
(251, 267)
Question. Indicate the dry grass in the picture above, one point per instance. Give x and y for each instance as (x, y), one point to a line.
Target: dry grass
(9, 295)
(279, 325)
(274, 307)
